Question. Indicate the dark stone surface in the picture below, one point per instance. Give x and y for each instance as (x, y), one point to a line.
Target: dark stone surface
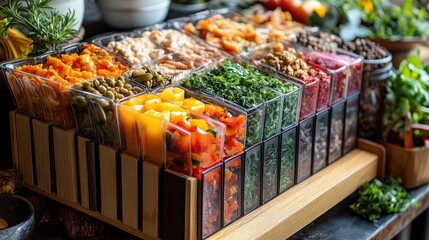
(341, 223)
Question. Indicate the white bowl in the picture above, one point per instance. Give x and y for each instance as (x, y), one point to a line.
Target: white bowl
(134, 18)
(129, 4)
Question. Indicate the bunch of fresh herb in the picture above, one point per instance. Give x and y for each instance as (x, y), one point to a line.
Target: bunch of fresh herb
(407, 103)
(377, 198)
(38, 21)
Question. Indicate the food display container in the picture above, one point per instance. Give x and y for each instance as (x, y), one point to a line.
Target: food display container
(94, 106)
(45, 98)
(351, 123)
(270, 163)
(336, 132)
(371, 104)
(308, 83)
(305, 149)
(224, 29)
(356, 66)
(277, 24)
(185, 141)
(336, 69)
(167, 36)
(321, 137)
(252, 178)
(134, 47)
(264, 106)
(287, 158)
(166, 70)
(210, 201)
(232, 194)
(233, 117)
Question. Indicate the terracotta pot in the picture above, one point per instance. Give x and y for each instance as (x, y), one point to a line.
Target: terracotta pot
(410, 164)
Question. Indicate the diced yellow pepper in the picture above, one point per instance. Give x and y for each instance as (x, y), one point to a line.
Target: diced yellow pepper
(173, 94)
(194, 105)
(201, 123)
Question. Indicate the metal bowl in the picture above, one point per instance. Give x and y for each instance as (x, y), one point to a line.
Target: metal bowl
(19, 214)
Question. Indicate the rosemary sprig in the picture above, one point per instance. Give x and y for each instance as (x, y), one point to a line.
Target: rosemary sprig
(40, 22)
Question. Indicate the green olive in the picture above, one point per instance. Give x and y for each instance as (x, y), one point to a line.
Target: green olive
(80, 101)
(101, 115)
(123, 90)
(103, 103)
(109, 94)
(86, 84)
(78, 86)
(128, 86)
(96, 83)
(138, 72)
(119, 83)
(102, 89)
(137, 90)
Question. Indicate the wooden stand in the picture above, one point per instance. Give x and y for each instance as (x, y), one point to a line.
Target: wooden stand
(93, 179)
(65, 163)
(289, 212)
(150, 212)
(130, 193)
(24, 144)
(180, 193)
(108, 182)
(42, 154)
(82, 157)
(125, 192)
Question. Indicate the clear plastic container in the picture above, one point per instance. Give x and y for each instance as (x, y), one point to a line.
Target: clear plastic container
(270, 168)
(210, 214)
(95, 112)
(310, 90)
(336, 136)
(338, 71)
(355, 68)
(223, 29)
(167, 36)
(288, 156)
(185, 141)
(321, 141)
(233, 117)
(252, 179)
(47, 99)
(232, 189)
(134, 47)
(305, 149)
(167, 70)
(351, 123)
(264, 116)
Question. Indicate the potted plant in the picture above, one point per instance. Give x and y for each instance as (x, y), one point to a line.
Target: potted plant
(32, 27)
(399, 26)
(406, 122)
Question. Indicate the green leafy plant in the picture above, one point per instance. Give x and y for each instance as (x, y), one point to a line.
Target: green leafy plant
(38, 21)
(377, 198)
(374, 19)
(406, 118)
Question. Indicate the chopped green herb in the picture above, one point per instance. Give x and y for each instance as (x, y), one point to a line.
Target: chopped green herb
(377, 198)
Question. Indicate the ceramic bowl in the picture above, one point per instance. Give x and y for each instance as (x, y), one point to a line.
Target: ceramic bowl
(129, 18)
(129, 4)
